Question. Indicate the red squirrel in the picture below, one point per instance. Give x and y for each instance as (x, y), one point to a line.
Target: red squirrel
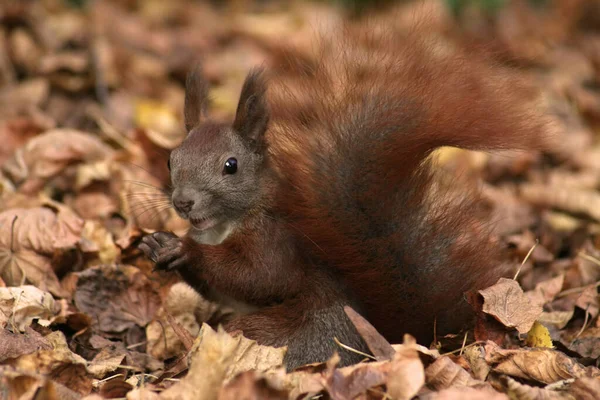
(322, 193)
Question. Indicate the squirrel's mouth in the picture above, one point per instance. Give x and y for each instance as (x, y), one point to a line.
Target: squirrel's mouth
(203, 223)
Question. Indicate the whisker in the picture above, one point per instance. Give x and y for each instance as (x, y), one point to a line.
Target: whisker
(147, 195)
(157, 212)
(139, 166)
(149, 203)
(144, 184)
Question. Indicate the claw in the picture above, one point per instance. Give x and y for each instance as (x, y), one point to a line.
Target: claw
(165, 249)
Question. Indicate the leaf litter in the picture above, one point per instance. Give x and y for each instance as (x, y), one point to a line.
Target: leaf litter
(90, 101)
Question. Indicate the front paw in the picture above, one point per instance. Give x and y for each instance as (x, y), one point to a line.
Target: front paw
(165, 249)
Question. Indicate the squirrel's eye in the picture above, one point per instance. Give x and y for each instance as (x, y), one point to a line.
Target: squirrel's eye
(230, 166)
(169, 164)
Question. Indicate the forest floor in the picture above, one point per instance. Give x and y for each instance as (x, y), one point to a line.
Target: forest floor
(90, 105)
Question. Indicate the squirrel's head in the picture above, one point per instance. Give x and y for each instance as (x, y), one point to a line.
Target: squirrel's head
(218, 170)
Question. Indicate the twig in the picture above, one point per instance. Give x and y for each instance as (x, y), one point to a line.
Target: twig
(463, 343)
(346, 347)
(526, 258)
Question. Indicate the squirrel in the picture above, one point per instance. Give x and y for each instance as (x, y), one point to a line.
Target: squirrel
(323, 193)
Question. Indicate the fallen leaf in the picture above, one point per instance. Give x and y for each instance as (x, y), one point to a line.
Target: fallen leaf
(13, 345)
(163, 341)
(586, 388)
(26, 385)
(116, 296)
(248, 386)
(587, 344)
(588, 301)
(160, 122)
(114, 388)
(19, 306)
(142, 394)
(444, 373)
(355, 380)
(58, 363)
(379, 346)
(558, 318)
(506, 302)
(96, 239)
(519, 391)
(464, 393)
(566, 199)
(47, 155)
(546, 291)
(541, 365)
(107, 360)
(29, 238)
(539, 336)
(475, 355)
(218, 357)
(406, 375)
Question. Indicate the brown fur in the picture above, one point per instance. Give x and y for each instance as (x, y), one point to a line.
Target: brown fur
(347, 210)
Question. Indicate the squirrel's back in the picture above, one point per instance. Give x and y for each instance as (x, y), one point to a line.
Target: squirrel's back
(352, 136)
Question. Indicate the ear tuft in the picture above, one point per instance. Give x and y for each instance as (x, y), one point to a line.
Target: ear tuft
(252, 115)
(196, 98)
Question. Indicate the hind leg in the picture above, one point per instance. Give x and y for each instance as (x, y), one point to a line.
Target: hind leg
(309, 334)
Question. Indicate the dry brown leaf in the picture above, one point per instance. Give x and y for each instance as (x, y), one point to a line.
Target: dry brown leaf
(26, 385)
(299, 383)
(29, 93)
(588, 301)
(565, 199)
(117, 297)
(519, 391)
(163, 342)
(142, 394)
(19, 306)
(379, 346)
(249, 386)
(107, 360)
(356, 380)
(217, 357)
(506, 302)
(466, 393)
(161, 123)
(47, 155)
(29, 238)
(546, 291)
(539, 336)
(587, 344)
(59, 363)
(586, 388)
(13, 345)
(475, 356)
(541, 365)
(406, 375)
(96, 239)
(558, 318)
(114, 388)
(444, 373)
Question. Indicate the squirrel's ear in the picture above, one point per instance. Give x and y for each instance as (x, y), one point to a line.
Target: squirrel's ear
(252, 115)
(196, 98)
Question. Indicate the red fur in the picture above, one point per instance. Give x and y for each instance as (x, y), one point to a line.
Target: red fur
(355, 162)
(356, 214)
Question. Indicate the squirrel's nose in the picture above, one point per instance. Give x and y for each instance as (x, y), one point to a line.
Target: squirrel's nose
(183, 205)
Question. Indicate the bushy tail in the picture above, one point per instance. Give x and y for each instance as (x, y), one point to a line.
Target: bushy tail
(355, 132)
